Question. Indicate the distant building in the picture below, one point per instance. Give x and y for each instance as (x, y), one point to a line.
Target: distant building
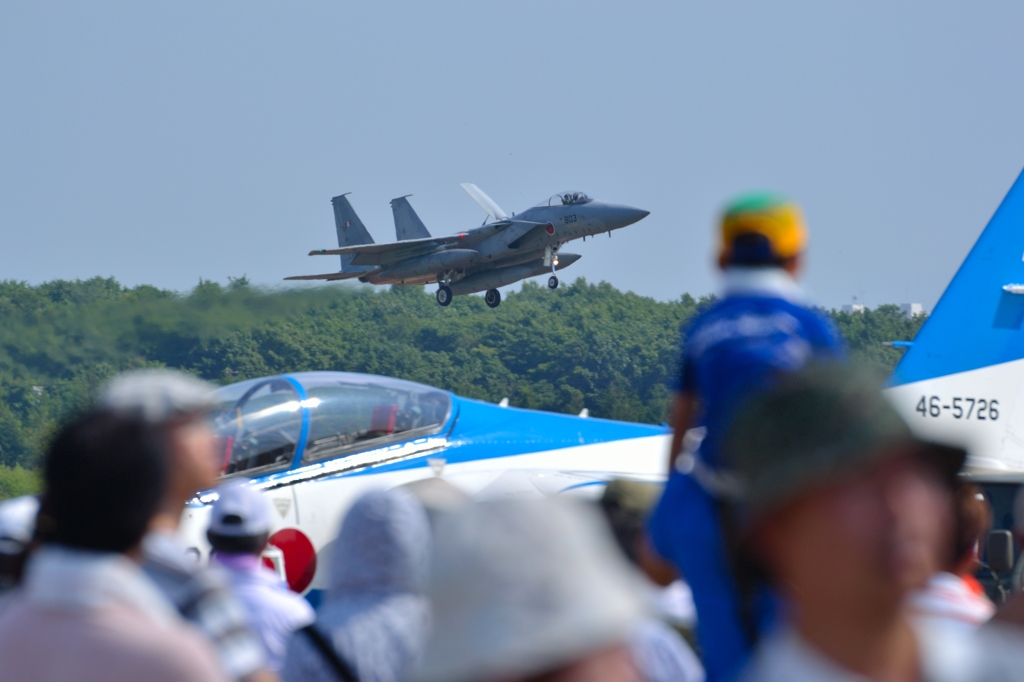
(911, 309)
(853, 308)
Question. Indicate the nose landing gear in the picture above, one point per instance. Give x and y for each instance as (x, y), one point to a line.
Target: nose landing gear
(492, 298)
(551, 258)
(444, 295)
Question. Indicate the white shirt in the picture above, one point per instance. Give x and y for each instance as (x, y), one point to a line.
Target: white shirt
(947, 601)
(763, 281)
(76, 579)
(96, 617)
(990, 655)
(662, 655)
(274, 612)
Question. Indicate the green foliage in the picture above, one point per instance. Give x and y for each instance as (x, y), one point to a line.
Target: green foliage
(582, 345)
(866, 331)
(16, 481)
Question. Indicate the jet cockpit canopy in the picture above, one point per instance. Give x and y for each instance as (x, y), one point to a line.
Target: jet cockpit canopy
(270, 423)
(566, 199)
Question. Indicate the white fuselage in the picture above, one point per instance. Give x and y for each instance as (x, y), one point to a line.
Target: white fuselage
(317, 506)
(981, 410)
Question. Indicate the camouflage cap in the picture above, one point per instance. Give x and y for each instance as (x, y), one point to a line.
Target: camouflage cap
(634, 498)
(626, 505)
(816, 427)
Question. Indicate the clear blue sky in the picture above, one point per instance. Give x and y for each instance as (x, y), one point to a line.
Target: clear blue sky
(164, 142)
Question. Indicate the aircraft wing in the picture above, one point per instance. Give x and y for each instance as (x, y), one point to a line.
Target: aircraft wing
(384, 254)
(518, 228)
(406, 245)
(330, 276)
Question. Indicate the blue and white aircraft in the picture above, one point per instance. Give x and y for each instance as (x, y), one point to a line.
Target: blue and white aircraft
(962, 379)
(314, 441)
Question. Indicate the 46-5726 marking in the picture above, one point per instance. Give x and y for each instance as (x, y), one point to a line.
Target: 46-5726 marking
(980, 409)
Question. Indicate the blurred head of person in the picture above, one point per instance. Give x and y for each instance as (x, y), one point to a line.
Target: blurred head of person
(1012, 612)
(180, 405)
(17, 527)
(1018, 516)
(374, 612)
(383, 547)
(626, 505)
(972, 516)
(436, 495)
(104, 475)
(762, 229)
(239, 519)
(529, 590)
(841, 506)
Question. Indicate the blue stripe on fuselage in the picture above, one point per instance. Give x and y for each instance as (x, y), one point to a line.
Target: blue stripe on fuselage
(486, 431)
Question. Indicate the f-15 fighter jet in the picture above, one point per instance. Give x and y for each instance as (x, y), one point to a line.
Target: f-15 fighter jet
(501, 251)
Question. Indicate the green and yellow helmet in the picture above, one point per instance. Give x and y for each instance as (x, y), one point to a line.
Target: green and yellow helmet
(776, 218)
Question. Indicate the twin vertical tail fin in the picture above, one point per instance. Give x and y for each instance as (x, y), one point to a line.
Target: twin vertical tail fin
(962, 380)
(351, 231)
(407, 224)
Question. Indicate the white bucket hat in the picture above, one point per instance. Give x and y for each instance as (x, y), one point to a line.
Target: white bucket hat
(522, 587)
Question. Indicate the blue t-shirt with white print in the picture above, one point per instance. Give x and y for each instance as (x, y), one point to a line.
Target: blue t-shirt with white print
(739, 344)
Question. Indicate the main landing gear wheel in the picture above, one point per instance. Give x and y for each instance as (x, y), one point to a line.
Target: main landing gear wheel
(552, 282)
(444, 295)
(492, 298)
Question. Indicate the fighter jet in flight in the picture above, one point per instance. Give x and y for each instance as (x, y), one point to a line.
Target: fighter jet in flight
(501, 251)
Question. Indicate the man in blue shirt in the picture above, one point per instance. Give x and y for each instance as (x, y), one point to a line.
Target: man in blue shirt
(761, 327)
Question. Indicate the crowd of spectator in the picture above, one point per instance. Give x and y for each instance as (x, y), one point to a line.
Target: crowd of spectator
(865, 535)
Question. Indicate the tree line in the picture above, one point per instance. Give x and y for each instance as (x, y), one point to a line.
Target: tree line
(582, 345)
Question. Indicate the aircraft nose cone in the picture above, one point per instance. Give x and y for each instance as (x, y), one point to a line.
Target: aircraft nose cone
(621, 216)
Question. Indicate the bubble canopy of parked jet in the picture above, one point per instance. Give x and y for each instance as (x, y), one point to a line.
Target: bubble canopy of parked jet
(281, 423)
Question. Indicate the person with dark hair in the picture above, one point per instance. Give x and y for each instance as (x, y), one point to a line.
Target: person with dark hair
(762, 327)
(178, 406)
(86, 610)
(238, 532)
(953, 598)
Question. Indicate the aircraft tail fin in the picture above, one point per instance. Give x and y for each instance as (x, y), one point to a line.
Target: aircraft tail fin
(407, 224)
(978, 320)
(962, 379)
(351, 231)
